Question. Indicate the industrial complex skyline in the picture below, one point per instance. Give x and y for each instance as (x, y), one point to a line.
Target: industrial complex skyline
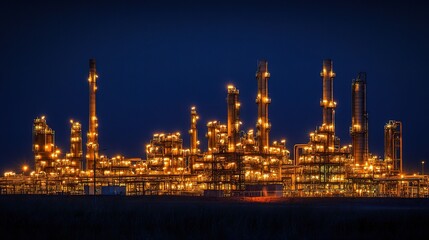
(358, 128)
(248, 118)
(155, 63)
(235, 162)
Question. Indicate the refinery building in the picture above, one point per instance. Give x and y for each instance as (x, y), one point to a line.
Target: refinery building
(236, 163)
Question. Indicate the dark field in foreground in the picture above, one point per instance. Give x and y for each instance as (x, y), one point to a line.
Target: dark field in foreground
(85, 217)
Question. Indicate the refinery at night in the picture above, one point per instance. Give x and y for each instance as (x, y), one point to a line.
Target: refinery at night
(237, 161)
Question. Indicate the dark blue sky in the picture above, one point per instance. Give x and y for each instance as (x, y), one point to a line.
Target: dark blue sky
(155, 60)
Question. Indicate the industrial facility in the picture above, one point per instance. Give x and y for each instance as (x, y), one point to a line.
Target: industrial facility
(236, 162)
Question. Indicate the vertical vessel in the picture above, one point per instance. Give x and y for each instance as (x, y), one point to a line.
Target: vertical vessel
(359, 128)
(233, 123)
(193, 132)
(43, 146)
(92, 136)
(263, 126)
(327, 103)
(76, 144)
(393, 146)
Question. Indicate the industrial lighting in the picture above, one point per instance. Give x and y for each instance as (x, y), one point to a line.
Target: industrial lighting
(322, 167)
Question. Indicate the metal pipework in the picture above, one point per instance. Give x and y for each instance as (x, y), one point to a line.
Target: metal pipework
(194, 131)
(76, 144)
(263, 126)
(92, 136)
(359, 128)
(233, 123)
(327, 102)
(393, 146)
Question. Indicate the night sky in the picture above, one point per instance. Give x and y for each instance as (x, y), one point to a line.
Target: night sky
(155, 60)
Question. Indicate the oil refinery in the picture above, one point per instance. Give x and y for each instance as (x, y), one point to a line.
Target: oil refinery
(235, 163)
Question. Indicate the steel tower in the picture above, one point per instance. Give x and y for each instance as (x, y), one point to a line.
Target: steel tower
(359, 128)
(92, 136)
(263, 126)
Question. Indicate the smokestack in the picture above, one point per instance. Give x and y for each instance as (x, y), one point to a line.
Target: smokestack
(263, 126)
(92, 137)
(233, 123)
(359, 128)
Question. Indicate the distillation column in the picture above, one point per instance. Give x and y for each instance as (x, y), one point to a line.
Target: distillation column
(393, 146)
(212, 132)
(194, 131)
(233, 125)
(43, 145)
(92, 137)
(76, 144)
(263, 126)
(328, 104)
(359, 128)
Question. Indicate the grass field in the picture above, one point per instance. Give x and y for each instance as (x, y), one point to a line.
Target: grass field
(164, 217)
